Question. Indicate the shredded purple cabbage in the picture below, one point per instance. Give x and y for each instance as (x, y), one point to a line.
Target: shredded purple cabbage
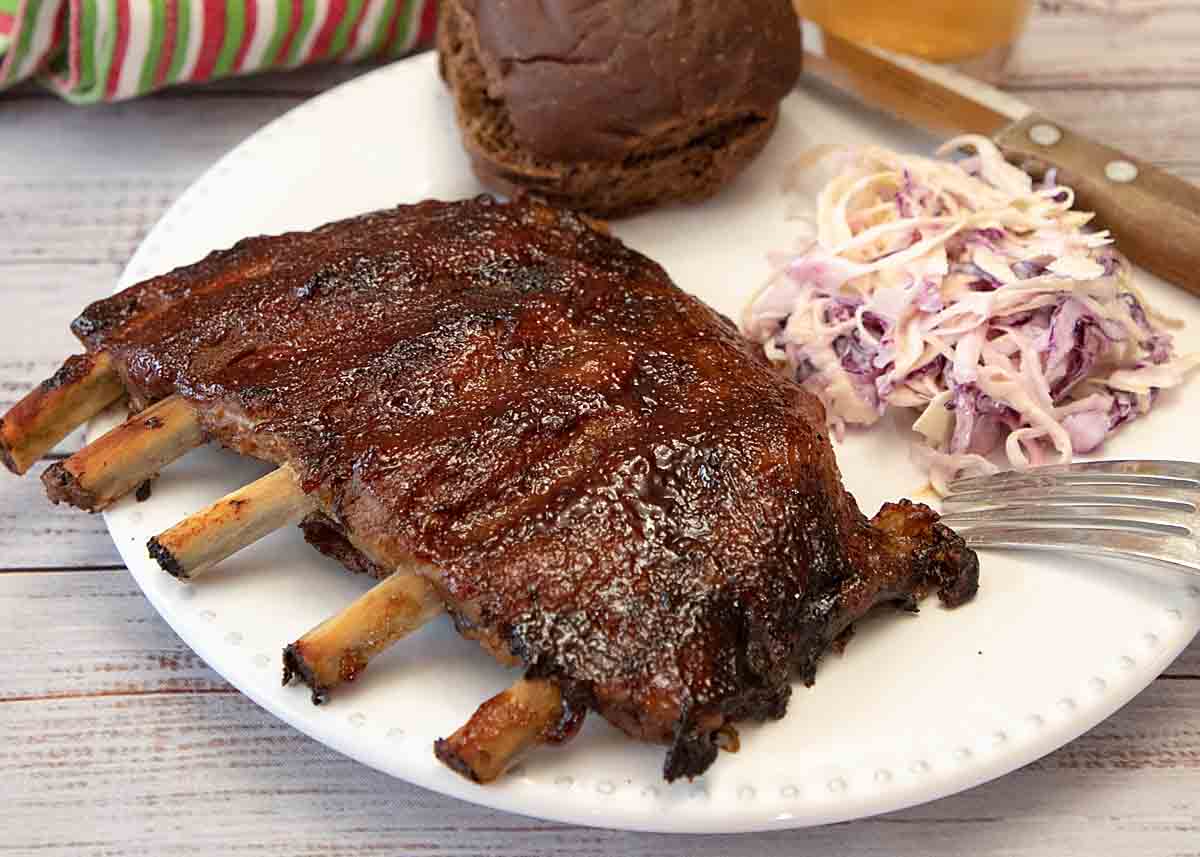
(969, 292)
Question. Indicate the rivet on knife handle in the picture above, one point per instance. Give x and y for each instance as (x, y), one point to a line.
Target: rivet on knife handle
(1154, 215)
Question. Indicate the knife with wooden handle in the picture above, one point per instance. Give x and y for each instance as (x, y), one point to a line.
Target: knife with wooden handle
(1154, 216)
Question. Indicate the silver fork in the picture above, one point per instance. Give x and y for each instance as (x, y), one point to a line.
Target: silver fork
(1145, 510)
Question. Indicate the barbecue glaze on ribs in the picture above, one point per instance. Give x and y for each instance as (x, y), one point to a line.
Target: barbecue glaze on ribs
(603, 481)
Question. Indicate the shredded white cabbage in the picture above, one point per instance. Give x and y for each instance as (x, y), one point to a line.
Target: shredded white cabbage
(965, 290)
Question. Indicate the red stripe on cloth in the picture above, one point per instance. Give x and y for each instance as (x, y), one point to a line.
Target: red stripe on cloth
(119, 48)
(10, 58)
(352, 41)
(428, 23)
(333, 17)
(170, 25)
(212, 34)
(73, 49)
(285, 46)
(251, 22)
(60, 26)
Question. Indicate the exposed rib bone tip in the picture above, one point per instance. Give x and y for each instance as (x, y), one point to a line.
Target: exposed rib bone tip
(294, 666)
(6, 454)
(447, 754)
(338, 650)
(83, 386)
(122, 459)
(166, 560)
(63, 486)
(504, 727)
(237, 520)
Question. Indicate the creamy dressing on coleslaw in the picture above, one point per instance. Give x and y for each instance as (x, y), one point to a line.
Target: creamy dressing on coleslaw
(965, 290)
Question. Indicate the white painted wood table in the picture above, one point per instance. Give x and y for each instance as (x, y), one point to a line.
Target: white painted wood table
(118, 740)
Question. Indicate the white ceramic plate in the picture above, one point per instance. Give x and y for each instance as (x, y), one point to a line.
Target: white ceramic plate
(916, 709)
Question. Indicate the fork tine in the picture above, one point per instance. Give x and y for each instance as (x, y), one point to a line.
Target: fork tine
(1134, 472)
(1092, 516)
(1179, 552)
(1183, 499)
(1038, 479)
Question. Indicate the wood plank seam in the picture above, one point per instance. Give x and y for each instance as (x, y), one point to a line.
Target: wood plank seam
(49, 569)
(114, 694)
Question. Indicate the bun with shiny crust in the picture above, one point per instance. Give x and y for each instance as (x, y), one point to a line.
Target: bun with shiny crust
(615, 106)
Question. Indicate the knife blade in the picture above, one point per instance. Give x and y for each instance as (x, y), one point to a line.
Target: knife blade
(1154, 216)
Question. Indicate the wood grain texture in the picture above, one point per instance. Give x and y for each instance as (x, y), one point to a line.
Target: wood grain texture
(1162, 127)
(122, 742)
(210, 773)
(118, 142)
(115, 725)
(97, 636)
(1090, 44)
(36, 535)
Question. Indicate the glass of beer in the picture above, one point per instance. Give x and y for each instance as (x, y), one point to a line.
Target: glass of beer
(976, 35)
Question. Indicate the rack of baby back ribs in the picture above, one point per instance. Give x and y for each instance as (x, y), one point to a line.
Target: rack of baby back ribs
(508, 416)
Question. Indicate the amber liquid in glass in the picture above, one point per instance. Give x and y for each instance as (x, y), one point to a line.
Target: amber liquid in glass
(939, 30)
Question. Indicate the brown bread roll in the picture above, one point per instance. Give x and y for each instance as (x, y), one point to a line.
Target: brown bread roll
(614, 107)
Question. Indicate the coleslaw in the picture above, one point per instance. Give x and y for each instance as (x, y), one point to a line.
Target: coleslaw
(968, 291)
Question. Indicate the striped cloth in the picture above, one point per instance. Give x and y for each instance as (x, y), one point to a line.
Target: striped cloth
(106, 50)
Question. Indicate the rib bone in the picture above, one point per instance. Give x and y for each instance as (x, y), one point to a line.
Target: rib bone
(340, 648)
(109, 468)
(502, 729)
(237, 520)
(84, 386)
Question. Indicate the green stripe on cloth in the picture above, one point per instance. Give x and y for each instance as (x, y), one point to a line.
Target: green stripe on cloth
(381, 27)
(87, 50)
(283, 20)
(342, 34)
(89, 89)
(308, 12)
(108, 44)
(410, 17)
(183, 26)
(158, 26)
(24, 37)
(235, 26)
